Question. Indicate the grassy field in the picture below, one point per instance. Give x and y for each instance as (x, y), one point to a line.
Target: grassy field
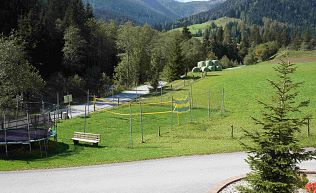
(243, 87)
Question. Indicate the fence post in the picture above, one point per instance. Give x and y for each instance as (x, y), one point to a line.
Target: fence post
(232, 131)
(159, 131)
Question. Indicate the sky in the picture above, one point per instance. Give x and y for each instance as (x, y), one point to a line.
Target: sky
(190, 0)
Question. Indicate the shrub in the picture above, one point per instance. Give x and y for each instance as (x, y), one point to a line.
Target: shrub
(265, 51)
(226, 63)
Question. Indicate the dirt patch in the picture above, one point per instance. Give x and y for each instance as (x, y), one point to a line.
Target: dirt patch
(295, 60)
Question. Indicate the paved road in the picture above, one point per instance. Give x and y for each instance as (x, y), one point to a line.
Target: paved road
(196, 174)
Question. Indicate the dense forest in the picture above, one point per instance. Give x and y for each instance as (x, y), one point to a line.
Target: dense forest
(294, 13)
(50, 46)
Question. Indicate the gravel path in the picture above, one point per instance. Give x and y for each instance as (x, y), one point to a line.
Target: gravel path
(125, 96)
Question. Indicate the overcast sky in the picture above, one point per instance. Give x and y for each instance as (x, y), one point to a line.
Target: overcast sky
(190, 0)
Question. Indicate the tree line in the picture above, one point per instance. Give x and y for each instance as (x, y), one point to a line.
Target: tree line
(241, 43)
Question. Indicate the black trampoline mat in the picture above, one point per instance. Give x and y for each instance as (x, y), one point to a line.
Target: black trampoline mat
(21, 135)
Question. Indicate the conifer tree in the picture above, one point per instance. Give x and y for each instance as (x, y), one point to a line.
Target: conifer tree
(186, 33)
(275, 153)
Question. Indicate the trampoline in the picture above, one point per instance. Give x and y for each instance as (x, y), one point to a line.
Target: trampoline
(24, 135)
(27, 130)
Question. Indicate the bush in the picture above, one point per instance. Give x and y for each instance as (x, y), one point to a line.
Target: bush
(226, 63)
(265, 51)
(250, 59)
(104, 81)
(76, 85)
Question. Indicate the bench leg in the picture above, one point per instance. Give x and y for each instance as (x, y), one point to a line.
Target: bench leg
(76, 142)
(96, 144)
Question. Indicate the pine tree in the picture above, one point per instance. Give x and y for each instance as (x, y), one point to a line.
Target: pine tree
(275, 152)
(175, 67)
(306, 44)
(75, 15)
(296, 40)
(227, 35)
(186, 33)
(206, 40)
(255, 36)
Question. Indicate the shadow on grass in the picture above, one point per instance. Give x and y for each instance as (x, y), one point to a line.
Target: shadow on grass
(80, 145)
(212, 75)
(88, 117)
(23, 153)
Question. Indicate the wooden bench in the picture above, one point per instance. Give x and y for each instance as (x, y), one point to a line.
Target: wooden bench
(86, 137)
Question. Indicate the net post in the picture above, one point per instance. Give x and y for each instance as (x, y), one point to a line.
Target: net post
(161, 93)
(191, 95)
(141, 121)
(88, 101)
(190, 110)
(171, 111)
(223, 102)
(28, 130)
(85, 118)
(209, 103)
(131, 125)
(308, 127)
(94, 101)
(5, 135)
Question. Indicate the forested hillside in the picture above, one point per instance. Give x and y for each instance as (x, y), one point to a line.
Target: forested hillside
(59, 46)
(292, 12)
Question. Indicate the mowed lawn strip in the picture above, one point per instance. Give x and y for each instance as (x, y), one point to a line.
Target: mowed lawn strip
(242, 88)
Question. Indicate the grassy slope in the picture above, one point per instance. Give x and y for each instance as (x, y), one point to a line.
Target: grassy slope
(243, 86)
(221, 22)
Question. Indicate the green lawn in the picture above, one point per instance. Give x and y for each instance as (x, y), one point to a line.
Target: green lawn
(243, 87)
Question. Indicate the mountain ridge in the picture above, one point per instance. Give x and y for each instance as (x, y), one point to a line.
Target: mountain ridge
(149, 11)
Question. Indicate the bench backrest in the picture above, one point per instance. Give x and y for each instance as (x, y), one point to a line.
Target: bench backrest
(89, 136)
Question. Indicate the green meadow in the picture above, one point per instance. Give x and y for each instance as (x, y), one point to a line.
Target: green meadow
(206, 134)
